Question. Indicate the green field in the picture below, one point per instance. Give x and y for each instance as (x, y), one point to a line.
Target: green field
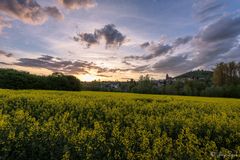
(99, 125)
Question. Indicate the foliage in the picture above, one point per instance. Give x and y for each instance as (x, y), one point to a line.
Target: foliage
(224, 81)
(197, 74)
(13, 79)
(226, 74)
(100, 125)
(144, 85)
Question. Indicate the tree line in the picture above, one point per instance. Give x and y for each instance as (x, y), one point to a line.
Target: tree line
(224, 81)
(227, 74)
(13, 79)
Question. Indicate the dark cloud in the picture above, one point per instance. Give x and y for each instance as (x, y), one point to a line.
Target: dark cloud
(225, 28)
(76, 4)
(103, 75)
(214, 43)
(56, 64)
(4, 63)
(156, 50)
(28, 11)
(173, 64)
(112, 36)
(141, 68)
(145, 45)
(105, 70)
(216, 39)
(210, 51)
(109, 33)
(159, 49)
(128, 63)
(182, 40)
(168, 62)
(206, 10)
(46, 58)
(88, 38)
(4, 53)
(133, 58)
(233, 55)
(53, 12)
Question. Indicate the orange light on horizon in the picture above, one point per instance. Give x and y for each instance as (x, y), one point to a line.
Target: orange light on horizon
(88, 77)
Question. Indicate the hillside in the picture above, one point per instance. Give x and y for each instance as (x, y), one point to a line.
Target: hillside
(198, 74)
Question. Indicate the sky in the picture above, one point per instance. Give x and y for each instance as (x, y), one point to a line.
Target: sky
(113, 40)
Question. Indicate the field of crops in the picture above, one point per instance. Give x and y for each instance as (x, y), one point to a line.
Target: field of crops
(97, 125)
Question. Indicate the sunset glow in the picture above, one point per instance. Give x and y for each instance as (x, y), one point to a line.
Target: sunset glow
(88, 78)
(118, 40)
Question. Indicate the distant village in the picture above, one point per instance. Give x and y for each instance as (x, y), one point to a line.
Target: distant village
(116, 84)
(189, 76)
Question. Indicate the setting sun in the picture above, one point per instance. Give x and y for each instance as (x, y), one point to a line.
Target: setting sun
(88, 77)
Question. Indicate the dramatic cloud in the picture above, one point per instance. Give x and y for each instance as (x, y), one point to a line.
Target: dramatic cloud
(141, 68)
(156, 50)
(145, 45)
(217, 39)
(159, 49)
(53, 12)
(5, 53)
(207, 10)
(209, 46)
(4, 24)
(4, 63)
(112, 36)
(182, 40)
(105, 70)
(76, 4)
(225, 28)
(109, 33)
(88, 38)
(128, 63)
(28, 11)
(173, 64)
(56, 64)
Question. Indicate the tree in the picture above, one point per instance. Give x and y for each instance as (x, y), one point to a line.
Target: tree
(144, 85)
(13, 79)
(226, 74)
